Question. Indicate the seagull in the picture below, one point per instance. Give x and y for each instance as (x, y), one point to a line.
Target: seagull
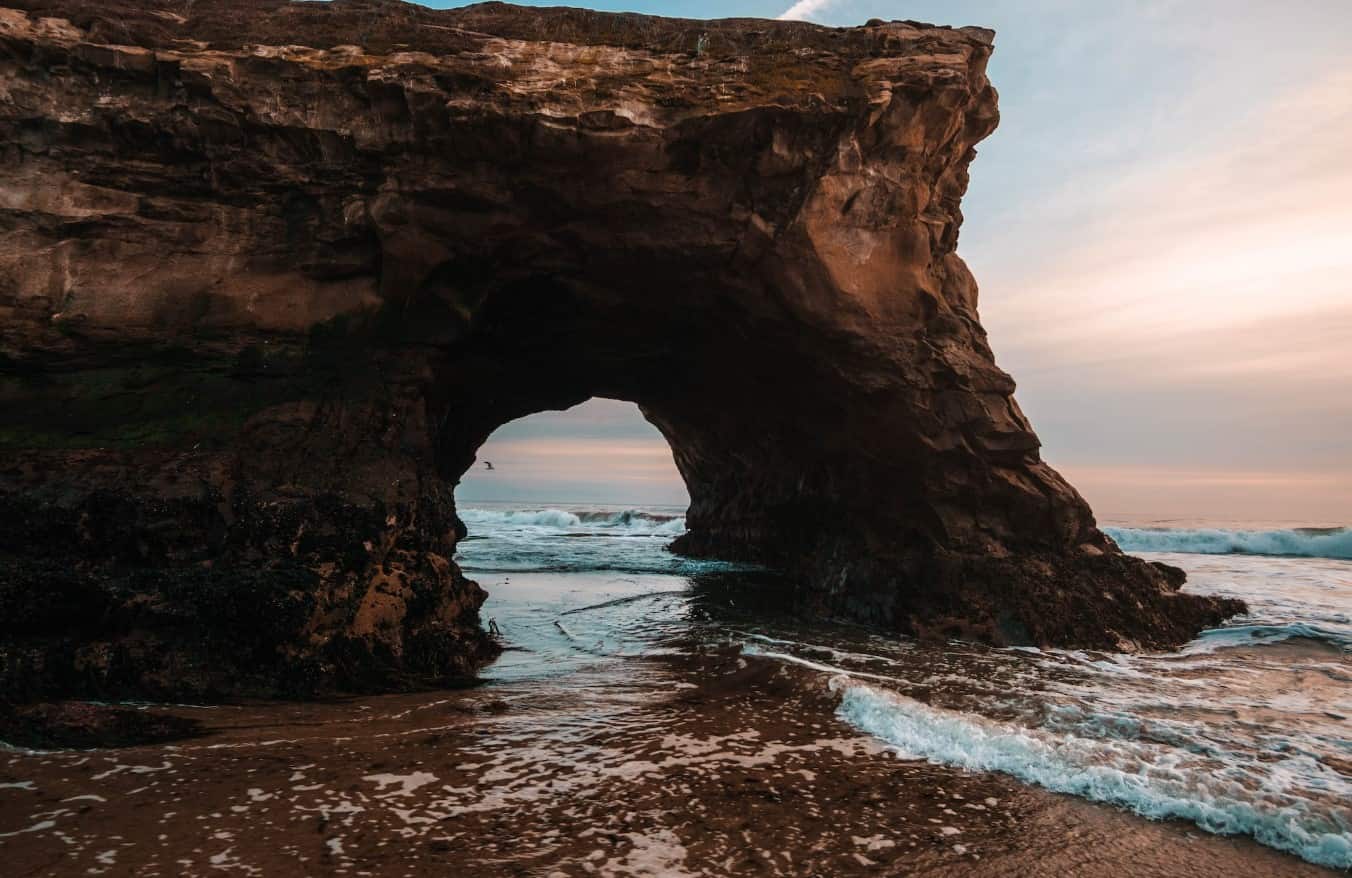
(489, 464)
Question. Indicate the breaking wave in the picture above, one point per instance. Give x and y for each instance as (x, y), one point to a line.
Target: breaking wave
(577, 540)
(1219, 795)
(1299, 542)
(630, 520)
(1242, 732)
(1240, 635)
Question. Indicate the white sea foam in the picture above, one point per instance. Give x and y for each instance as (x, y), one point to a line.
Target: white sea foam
(36, 827)
(1238, 740)
(1305, 542)
(631, 520)
(400, 784)
(750, 649)
(626, 540)
(1258, 634)
(1153, 780)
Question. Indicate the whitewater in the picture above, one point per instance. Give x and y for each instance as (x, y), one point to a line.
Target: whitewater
(1245, 731)
(657, 715)
(1335, 542)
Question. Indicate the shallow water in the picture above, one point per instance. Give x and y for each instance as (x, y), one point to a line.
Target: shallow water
(614, 539)
(1247, 730)
(658, 716)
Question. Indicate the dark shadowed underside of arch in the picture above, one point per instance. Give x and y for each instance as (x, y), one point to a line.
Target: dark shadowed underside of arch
(271, 273)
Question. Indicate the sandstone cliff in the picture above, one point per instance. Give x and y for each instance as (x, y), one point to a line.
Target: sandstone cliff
(271, 272)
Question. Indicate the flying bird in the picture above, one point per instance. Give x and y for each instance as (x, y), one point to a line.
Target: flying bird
(489, 464)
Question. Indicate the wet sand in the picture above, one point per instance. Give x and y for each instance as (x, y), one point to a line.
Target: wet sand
(702, 764)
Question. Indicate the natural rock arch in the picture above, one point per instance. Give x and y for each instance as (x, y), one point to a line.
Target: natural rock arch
(267, 292)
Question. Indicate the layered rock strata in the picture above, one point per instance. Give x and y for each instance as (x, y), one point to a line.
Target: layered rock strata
(271, 272)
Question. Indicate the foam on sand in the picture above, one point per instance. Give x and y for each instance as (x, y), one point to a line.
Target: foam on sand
(1152, 780)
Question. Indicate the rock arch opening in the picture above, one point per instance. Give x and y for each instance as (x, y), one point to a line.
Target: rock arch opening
(601, 453)
(874, 454)
(589, 490)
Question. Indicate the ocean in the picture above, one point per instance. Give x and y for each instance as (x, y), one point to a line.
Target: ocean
(1247, 730)
(654, 715)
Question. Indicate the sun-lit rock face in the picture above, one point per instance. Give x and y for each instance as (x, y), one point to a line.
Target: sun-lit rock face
(271, 272)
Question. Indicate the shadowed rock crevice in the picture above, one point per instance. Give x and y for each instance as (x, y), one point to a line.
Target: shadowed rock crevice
(271, 273)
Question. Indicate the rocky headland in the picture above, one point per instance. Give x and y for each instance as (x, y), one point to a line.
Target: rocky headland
(271, 272)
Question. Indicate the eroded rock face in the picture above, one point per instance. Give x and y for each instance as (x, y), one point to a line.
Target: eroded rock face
(271, 272)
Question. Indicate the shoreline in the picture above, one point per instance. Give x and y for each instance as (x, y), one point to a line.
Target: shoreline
(707, 763)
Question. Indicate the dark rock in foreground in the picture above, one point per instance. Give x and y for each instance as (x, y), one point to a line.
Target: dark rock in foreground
(271, 272)
(74, 725)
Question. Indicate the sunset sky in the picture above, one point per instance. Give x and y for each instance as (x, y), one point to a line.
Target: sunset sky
(1162, 231)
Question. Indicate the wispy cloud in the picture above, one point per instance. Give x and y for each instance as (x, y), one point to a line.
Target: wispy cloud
(1223, 233)
(1192, 309)
(804, 10)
